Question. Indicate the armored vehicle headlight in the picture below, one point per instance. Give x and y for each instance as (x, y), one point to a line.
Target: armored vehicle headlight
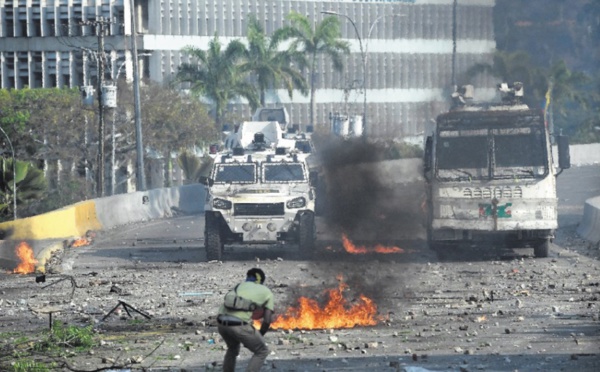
(221, 204)
(298, 202)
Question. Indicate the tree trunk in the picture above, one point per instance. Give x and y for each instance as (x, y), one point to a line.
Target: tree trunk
(218, 116)
(312, 91)
(168, 169)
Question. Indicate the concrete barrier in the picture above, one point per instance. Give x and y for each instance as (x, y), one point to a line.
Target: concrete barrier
(47, 232)
(587, 154)
(106, 213)
(589, 228)
(73, 220)
(148, 205)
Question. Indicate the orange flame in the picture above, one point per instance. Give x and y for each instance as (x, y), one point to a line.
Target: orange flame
(80, 242)
(480, 319)
(335, 314)
(351, 248)
(28, 262)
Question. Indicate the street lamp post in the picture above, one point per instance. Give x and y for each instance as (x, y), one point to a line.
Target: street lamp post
(139, 174)
(14, 174)
(363, 54)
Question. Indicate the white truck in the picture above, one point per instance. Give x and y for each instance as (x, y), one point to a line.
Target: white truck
(490, 175)
(259, 190)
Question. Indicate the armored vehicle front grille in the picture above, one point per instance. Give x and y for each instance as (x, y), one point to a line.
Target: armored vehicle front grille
(497, 192)
(258, 209)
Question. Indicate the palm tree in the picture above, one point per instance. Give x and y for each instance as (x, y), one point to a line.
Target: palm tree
(270, 65)
(215, 74)
(29, 180)
(323, 38)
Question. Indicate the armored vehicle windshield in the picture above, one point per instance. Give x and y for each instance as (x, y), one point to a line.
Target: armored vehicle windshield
(490, 150)
(283, 172)
(235, 173)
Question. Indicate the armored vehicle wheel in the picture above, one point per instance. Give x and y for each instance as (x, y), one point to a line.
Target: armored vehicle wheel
(542, 248)
(306, 238)
(212, 238)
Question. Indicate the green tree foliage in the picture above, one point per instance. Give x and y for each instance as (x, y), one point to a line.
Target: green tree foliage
(270, 66)
(566, 86)
(562, 38)
(322, 38)
(215, 75)
(13, 110)
(567, 91)
(46, 126)
(30, 185)
(587, 129)
(170, 121)
(43, 123)
(550, 31)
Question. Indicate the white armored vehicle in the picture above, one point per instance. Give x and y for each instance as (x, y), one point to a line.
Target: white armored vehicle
(491, 176)
(259, 190)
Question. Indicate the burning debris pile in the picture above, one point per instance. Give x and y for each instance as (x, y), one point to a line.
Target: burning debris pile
(27, 262)
(336, 313)
(84, 240)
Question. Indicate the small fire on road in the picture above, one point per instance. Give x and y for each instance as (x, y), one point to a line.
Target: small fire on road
(84, 240)
(80, 242)
(26, 260)
(336, 313)
(354, 249)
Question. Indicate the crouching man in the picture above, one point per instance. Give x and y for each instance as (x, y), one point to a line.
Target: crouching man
(247, 301)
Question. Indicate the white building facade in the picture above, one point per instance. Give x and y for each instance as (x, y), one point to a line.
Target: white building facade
(408, 45)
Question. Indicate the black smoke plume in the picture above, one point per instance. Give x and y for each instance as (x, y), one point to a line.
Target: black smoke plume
(359, 198)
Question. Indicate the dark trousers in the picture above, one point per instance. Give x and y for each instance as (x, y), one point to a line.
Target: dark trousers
(246, 335)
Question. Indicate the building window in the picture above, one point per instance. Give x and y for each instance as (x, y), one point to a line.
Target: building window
(21, 28)
(10, 29)
(75, 28)
(37, 27)
(51, 80)
(51, 28)
(37, 80)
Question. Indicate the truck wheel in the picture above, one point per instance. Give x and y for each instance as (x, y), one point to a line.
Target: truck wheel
(306, 238)
(542, 248)
(212, 238)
